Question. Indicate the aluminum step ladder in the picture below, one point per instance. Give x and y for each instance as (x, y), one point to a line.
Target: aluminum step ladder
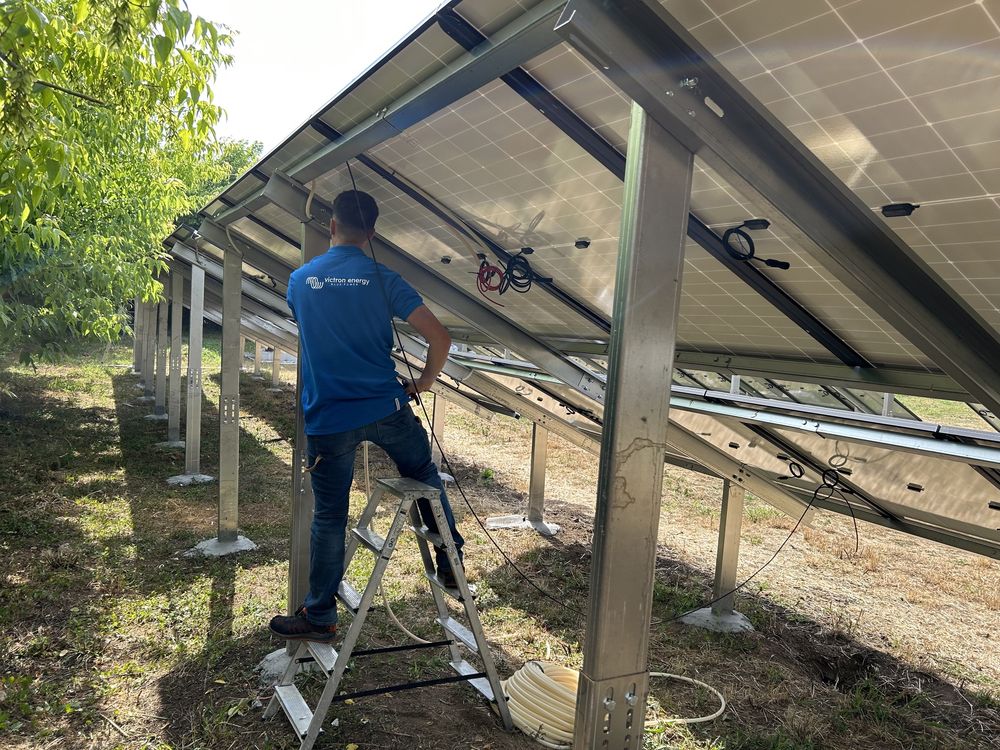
(307, 722)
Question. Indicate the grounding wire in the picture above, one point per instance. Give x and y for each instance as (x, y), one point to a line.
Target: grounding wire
(423, 407)
(829, 481)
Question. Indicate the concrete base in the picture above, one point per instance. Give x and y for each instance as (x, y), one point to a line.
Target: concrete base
(145, 399)
(215, 548)
(185, 480)
(272, 666)
(522, 522)
(257, 377)
(275, 390)
(731, 622)
(170, 444)
(157, 417)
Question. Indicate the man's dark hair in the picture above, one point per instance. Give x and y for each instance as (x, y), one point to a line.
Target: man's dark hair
(355, 211)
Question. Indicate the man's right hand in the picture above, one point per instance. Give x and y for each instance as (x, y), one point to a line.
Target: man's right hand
(415, 387)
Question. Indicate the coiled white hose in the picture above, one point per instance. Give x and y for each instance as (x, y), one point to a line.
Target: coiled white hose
(542, 702)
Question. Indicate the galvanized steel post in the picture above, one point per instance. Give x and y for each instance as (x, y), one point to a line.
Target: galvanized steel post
(728, 555)
(176, 357)
(437, 428)
(149, 352)
(276, 369)
(536, 482)
(613, 684)
(229, 398)
(160, 405)
(314, 242)
(137, 326)
(192, 441)
(258, 351)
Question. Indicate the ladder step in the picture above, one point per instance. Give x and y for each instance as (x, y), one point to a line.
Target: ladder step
(430, 536)
(401, 487)
(480, 683)
(454, 593)
(370, 539)
(295, 708)
(461, 633)
(349, 596)
(324, 654)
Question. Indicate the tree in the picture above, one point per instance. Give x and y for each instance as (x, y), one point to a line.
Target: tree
(106, 136)
(217, 171)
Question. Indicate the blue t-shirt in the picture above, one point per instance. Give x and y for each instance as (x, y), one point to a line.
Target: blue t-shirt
(339, 300)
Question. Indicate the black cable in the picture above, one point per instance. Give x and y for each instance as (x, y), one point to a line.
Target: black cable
(423, 407)
(829, 481)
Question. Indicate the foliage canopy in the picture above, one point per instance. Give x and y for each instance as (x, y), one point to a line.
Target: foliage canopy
(106, 137)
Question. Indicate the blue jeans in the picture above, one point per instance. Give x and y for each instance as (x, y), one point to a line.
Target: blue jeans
(403, 438)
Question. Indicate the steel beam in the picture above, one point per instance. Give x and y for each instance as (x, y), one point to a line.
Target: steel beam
(910, 526)
(314, 242)
(251, 289)
(260, 258)
(610, 709)
(897, 380)
(527, 36)
(229, 401)
(728, 555)
(967, 453)
(656, 62)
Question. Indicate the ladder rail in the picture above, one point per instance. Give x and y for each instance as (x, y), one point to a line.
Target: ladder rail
(456, 635)
(354, 632)
(472, 613)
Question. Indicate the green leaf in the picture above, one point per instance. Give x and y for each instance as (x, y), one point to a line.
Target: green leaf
(80, 11)
(162, 47)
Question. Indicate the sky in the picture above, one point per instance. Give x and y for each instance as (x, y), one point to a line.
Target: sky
(291, 57)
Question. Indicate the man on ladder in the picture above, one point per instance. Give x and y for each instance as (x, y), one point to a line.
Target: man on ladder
(344, 303)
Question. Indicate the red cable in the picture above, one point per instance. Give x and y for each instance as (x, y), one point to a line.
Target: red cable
(489, 278)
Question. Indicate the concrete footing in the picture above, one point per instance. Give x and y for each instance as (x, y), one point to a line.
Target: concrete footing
(169, 444)
(215, 548)
(730, 622)
(185, 480)
(521, 522)
(272, 666)
(156, 417)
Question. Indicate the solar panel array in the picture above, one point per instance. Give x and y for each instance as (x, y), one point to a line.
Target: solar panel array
(899, 100)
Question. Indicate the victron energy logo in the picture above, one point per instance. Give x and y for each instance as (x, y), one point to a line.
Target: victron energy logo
(315, 282)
